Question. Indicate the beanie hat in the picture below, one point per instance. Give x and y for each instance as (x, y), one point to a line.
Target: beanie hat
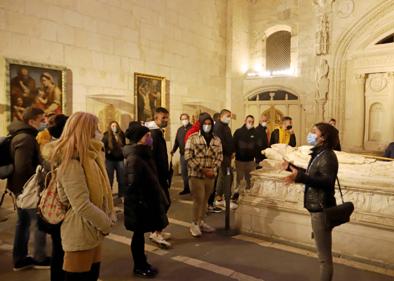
(135, 131)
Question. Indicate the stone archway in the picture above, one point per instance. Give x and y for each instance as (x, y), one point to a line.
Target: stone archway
(357, 60)
(275, 102)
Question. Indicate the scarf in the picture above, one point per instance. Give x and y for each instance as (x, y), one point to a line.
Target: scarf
(97, 178)
(284, 136)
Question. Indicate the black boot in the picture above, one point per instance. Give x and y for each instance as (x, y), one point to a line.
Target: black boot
(147, 272)
(186, 190)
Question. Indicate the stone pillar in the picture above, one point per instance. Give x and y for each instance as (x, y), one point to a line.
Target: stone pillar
(320, 109)
(357, 103)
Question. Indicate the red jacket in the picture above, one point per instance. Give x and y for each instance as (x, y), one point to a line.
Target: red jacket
(192, 130)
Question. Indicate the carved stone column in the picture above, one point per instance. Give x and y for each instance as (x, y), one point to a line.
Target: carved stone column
(357, 102)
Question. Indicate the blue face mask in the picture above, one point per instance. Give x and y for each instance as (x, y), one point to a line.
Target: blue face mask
(311, 139)
(42, 126)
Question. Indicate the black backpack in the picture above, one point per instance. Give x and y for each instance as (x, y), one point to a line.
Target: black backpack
(6, 161)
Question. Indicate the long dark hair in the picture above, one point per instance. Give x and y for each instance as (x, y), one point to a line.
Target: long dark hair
(329, 134)
(111, 137)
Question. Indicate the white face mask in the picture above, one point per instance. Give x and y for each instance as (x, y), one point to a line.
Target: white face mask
(249, 126)
(226, 120)
(206, 128)
(98, 135)
(185, 122)
(114, 129)
(264, 124)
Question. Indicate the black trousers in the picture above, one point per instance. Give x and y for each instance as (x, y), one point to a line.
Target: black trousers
(138, 250)
(57, 273)
(91, 275)
(211, 199)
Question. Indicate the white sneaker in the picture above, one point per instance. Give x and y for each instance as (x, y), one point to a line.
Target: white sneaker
(158, 239)
(206, 228)
(233, 206)
(195, 230)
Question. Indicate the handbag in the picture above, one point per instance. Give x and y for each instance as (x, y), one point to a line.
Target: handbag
(30, 195)
(50, 208)
(340, 214)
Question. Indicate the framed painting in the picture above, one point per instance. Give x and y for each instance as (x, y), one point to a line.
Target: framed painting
(34, 84)
(149, 94)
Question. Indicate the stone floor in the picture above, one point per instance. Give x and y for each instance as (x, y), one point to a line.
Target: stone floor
(213, 257)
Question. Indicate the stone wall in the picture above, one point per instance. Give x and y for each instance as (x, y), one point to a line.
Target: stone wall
(104, 42)
(325, 35)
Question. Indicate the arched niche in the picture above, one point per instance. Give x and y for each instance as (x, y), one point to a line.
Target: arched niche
(376, 115)
(356, 59)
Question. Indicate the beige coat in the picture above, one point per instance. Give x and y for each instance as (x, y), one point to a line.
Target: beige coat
(85, 224)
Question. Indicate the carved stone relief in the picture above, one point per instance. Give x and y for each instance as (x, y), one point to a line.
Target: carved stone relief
(377, 82)
(344, 8)
(322, 36)
(323, 85)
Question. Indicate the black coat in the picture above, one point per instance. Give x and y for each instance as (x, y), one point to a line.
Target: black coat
(319, 180)
(25, 153)
(160, 158)
(145, 204)
(116, 153)
(245, 144)
(180, 139)
(261, 142)
(389, 152)
(223, 132)
(275, 138)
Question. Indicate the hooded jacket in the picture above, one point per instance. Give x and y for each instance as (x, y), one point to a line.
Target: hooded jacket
(25, 153)
(203, 151)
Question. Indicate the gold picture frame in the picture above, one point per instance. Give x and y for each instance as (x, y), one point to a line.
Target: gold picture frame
(150, 92)
(35, 84)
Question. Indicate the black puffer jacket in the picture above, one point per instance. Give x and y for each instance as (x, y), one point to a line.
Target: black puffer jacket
(145, 203)
(320, 179)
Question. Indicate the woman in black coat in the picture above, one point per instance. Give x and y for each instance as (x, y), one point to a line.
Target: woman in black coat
(319, 180)
(145, 202)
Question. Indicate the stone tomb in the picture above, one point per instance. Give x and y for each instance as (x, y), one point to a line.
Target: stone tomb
(274, 210)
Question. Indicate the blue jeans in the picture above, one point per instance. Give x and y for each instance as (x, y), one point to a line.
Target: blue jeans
(117, 166)
(25, 218)
(184, 173)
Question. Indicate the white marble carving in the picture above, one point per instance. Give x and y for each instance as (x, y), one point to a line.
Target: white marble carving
(271, 208)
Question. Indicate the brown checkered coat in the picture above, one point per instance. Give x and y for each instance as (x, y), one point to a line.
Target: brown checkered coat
(199, 155)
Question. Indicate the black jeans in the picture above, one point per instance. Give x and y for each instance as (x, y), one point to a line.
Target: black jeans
(57, 273)
(138, 250)
(91, 275)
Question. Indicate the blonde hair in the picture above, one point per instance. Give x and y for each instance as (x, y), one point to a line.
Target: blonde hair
(74, 142)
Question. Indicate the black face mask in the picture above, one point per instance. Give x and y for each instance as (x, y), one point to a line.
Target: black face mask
(289, 127)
